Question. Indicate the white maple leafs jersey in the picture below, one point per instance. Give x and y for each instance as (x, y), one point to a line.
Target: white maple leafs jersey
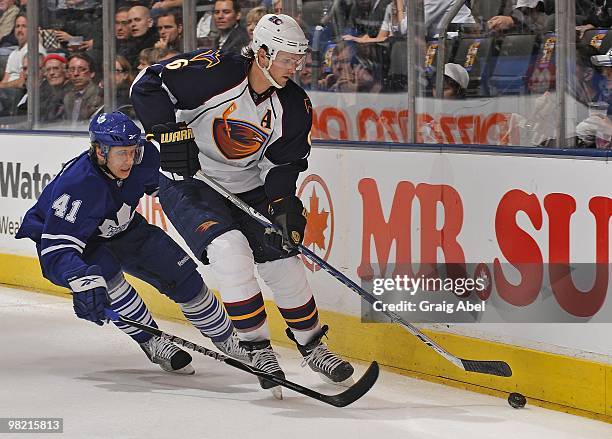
(82, 205)
(245, 140)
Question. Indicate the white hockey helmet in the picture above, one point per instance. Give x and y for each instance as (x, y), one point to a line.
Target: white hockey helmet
(279, 32)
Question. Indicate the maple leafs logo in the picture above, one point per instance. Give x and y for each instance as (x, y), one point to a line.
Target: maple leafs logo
(319, 233)
(110, 228)
(317, 223)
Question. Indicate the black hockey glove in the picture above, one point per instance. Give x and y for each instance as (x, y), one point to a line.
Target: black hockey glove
(89, 295)
(290, 216)
(178, 152)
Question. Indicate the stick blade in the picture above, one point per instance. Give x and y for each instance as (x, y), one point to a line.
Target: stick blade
(497, 368)
(357, 390)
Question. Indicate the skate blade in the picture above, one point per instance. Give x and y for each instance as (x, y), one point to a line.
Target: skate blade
(346, 383)
(277, 392)
(187, 370)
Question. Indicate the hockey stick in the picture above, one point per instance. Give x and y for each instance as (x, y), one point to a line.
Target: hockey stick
(350, 395)
(498, 368)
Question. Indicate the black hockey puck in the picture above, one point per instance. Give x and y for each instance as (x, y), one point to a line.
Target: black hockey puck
(517, 400)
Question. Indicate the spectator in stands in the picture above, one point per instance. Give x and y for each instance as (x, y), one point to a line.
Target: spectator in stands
(144, 34)
(277, 6)
(12, 84)
(394, 14)
(8, 15)
(22, 106)
(395, 21)
(84, 97)
(147, 57)
(434, 11)
(305, 75)
(367, 74)
(539, 16)
(232, 36)
(54, 87)
(584, 87)
(366, 17)
(252, 18)
(123, 80)
(342, 76)
(456, 80)
(122, 24)
(526, 16)
(170, 29)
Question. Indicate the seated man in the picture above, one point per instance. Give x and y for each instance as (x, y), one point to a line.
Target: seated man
(88, 234)
(53, 89)
(12, 84)
(8, 14)
(84, 96)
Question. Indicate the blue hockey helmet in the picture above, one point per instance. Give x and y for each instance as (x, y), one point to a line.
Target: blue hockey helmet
(115, 129)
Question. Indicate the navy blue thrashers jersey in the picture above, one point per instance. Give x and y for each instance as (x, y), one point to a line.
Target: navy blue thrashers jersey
(245, 140)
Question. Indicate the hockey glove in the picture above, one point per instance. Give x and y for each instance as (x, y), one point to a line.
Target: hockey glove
(89, 295)
(290, 216)
(178, 151)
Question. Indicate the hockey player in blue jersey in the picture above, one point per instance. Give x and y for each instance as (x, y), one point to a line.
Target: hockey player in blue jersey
(88, 234)
(242, 120)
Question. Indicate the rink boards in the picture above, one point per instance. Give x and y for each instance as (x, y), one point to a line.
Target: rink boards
(372, 208)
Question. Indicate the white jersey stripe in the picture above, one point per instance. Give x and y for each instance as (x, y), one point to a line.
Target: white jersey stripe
(59, 247)
(66, 237)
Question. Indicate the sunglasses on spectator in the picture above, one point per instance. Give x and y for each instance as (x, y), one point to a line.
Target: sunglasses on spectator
(120, 70)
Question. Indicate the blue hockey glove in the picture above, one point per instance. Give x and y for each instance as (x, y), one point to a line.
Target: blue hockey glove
(89, 294)
(289, 215)
(178, 151)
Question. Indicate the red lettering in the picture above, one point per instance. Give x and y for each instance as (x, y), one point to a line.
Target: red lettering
(445, 238)
(519, 248)
(331, 114)
(368, 115)
(560, 208)
(385, 232)
(448, 124)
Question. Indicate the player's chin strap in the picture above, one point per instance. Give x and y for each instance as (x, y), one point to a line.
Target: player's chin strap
(108, 172)
(266, 72)
(104, 168)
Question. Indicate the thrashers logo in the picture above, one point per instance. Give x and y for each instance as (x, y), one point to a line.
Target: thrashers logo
(319, 233)
(205, 226)
(237, 139)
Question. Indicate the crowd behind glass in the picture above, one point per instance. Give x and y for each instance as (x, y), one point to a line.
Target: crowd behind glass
(494, 49)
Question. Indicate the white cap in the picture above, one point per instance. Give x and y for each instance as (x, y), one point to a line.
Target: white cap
(458, 74)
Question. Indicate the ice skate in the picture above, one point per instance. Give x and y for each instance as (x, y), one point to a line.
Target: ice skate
(264, 358)
(169, 357)
(232, 348)
(328, 365)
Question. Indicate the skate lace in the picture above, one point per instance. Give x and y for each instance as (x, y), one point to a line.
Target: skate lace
(265, 360)
(323, 359)
(232, 347)
(161, 349)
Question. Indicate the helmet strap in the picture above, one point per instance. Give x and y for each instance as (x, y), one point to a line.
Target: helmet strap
(93, 154)
(266, 71)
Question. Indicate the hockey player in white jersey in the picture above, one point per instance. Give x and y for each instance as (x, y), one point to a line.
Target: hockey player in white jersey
(242, 120)
(88, 234)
